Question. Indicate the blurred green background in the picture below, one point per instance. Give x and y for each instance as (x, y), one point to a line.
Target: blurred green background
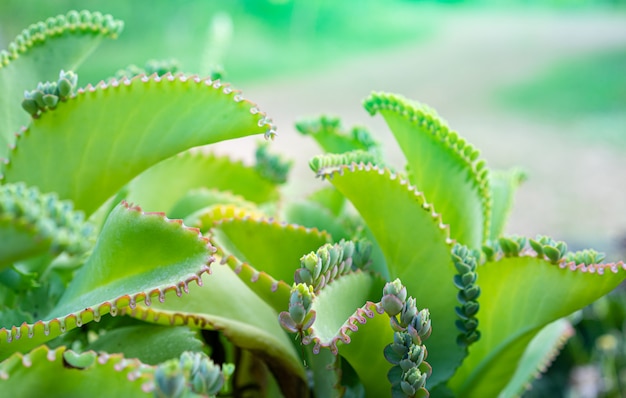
(536, 84)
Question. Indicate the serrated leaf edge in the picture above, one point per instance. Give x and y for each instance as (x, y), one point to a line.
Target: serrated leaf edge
(38, 33)
(463, 151)
(112, 307)
(419, 196)
(350, 326)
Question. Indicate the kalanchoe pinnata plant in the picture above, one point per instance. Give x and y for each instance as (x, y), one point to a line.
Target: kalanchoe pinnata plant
(108, 217)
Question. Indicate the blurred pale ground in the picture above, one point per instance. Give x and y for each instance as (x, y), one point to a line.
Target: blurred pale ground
(298, 59)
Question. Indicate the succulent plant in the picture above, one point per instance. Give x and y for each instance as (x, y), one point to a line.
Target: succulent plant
(394, 283)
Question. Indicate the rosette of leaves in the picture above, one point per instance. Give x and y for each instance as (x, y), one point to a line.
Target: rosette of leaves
(80, 253)
(76, 252)
(498, 314)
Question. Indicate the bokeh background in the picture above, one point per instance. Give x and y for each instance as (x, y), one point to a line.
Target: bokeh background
(539, 85)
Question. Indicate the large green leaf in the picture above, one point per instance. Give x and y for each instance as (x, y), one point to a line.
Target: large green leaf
(536, 358)
(441, 164)
(267, 253)
(140, 341)
(194, 170)
(268, 245)
(520, 295)
(348, 322)
(416, 245)
(38, 54)
(138, 122)
(226, 304)
(62, 373)
(137, 256)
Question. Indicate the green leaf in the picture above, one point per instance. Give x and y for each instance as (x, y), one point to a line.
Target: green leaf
(326, 374)
(503, 186)
(150, 344)
(201, 198)
(267, 251)
(32, 224)
(141, 121)
(537, 357)
(194, 170)
(416, 246)
(226, 304)
(268, 245)
(312, 215)
(349, 322)
(39, 53)
(442, 165)
(61, 373)
(520, 295)
(137, 256)
(329, 198)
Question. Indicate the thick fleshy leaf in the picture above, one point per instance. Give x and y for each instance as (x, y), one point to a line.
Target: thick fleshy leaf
(38, 54)
(193, 170)
(267, 253)
(268, 245)
(503, 186)
(226, 304)
(326, 374)
(46, 372)
(441, 164)
(536, 358)
(348, 322)
(324, 210)
(137, 256)
(32, 224)
(313, 215)
(519, 296)
(150, 344)
(142, 121)
(417, 248)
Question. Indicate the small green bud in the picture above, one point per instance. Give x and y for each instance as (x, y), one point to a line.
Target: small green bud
(208, 379)
(409, 311)
(300, 302)
(73, 17)
(324, 256)
(553, 254)
(313, 263)
(415, 378)
(303, 275)
(96, 19)
(30, 106)
(362, 253)
(169, 380)
(38, 97)
(416, 354)
(394, 296)
(336, 253)
(348, 250)
(50, 100)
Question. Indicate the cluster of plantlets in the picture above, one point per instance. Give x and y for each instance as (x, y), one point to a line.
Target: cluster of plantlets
(107, 216)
